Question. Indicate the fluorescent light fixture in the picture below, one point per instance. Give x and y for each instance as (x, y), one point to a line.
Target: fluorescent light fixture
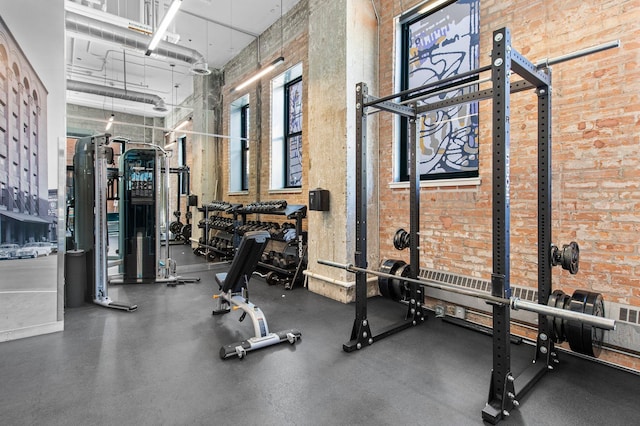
(430, 6)
(109, 123)
(158, 34)
(181, 125)
(264, 71)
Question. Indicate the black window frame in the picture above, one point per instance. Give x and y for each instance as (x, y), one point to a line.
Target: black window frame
(245, 114)
(405, 23)
(288, 136)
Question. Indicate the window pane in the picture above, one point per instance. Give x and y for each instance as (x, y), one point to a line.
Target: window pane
(295, 161)
(441, 45)
(295, 107)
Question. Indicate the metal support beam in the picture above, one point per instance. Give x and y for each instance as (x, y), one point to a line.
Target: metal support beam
(501, 385)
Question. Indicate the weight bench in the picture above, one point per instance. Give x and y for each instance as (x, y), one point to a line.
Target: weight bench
(234, 291)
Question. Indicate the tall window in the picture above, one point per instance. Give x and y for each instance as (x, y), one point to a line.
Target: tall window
(239, 145)
(183, 180)
(293, 134)
(286, 129)
(244, 147)
(439, 44)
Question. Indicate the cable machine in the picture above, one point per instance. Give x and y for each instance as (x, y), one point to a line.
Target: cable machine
(144, 213)
(92, 154)
(139, 214)
(505, 389)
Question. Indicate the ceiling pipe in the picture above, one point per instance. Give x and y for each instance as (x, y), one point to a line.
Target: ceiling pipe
(84, 25)
(114, 92)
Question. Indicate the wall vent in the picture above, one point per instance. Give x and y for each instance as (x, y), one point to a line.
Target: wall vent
(629, 315)
(626, 335)
(523, 293)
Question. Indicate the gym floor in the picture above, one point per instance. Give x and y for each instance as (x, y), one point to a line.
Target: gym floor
(161, 365)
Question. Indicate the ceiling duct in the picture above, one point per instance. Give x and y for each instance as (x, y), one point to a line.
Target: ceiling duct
(84, 25)
(114, 92)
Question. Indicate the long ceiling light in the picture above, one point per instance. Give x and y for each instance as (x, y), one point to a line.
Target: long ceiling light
(181, 125)
(109, 123)
(264, 71)
(158, 34)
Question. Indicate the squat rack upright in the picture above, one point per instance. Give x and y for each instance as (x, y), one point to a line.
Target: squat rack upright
(505, 389)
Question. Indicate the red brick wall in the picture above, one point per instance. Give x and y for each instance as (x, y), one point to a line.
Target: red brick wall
(595, 161)
(595, 125)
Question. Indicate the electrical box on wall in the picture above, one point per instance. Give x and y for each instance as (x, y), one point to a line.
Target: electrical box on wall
(319, 199)
(193, 200)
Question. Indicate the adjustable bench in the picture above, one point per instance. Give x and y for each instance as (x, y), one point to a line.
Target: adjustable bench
(234, 291)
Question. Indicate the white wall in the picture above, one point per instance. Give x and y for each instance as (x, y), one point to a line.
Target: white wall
(38, 27)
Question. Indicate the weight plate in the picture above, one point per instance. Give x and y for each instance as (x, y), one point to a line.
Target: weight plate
(271, 278)
(554, 301)
(558, 323)
(574, 332)
(571, 257)
(396, 286)
(564, 324)
(186, 232)
(388, 266)
(592, 336)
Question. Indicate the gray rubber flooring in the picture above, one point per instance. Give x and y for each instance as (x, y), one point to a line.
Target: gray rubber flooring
(160, 365)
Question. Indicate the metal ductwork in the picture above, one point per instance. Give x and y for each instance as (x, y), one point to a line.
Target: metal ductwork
(84, 25)
(114, 92)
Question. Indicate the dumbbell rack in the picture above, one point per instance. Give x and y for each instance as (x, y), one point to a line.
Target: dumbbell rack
(211, 232)
(292, 273)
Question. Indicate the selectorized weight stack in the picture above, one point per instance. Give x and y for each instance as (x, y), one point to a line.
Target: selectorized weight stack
(138, 214)
(582, 323)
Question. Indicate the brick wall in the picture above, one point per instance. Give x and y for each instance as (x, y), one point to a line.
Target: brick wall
(290, 42)
(595, 163)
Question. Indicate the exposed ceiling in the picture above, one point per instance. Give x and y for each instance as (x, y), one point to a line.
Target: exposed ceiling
(211, 31)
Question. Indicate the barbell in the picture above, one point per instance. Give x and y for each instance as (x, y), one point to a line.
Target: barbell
(514, 303)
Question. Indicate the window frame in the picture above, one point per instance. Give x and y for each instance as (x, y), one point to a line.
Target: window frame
(288, 135)
(245, 116)
(404, 23)
(239, 161)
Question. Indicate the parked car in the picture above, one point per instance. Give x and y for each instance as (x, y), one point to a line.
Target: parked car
(33, 250)
(8, 251)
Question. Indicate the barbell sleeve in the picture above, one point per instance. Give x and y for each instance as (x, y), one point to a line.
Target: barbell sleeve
(599, 322)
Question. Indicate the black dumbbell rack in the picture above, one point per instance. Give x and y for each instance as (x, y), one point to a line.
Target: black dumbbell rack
(283, 260)
(218, 230)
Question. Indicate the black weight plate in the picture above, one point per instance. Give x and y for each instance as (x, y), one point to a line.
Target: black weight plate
(551, 302)
(388, 266)
(592, 336)
(554, 301)
(563, 303)
(571, 257)
(397, 286)
(564, 326)
(574, 332)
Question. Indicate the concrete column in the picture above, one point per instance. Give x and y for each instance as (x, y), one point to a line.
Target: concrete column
(206, 151)
(342, 52)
